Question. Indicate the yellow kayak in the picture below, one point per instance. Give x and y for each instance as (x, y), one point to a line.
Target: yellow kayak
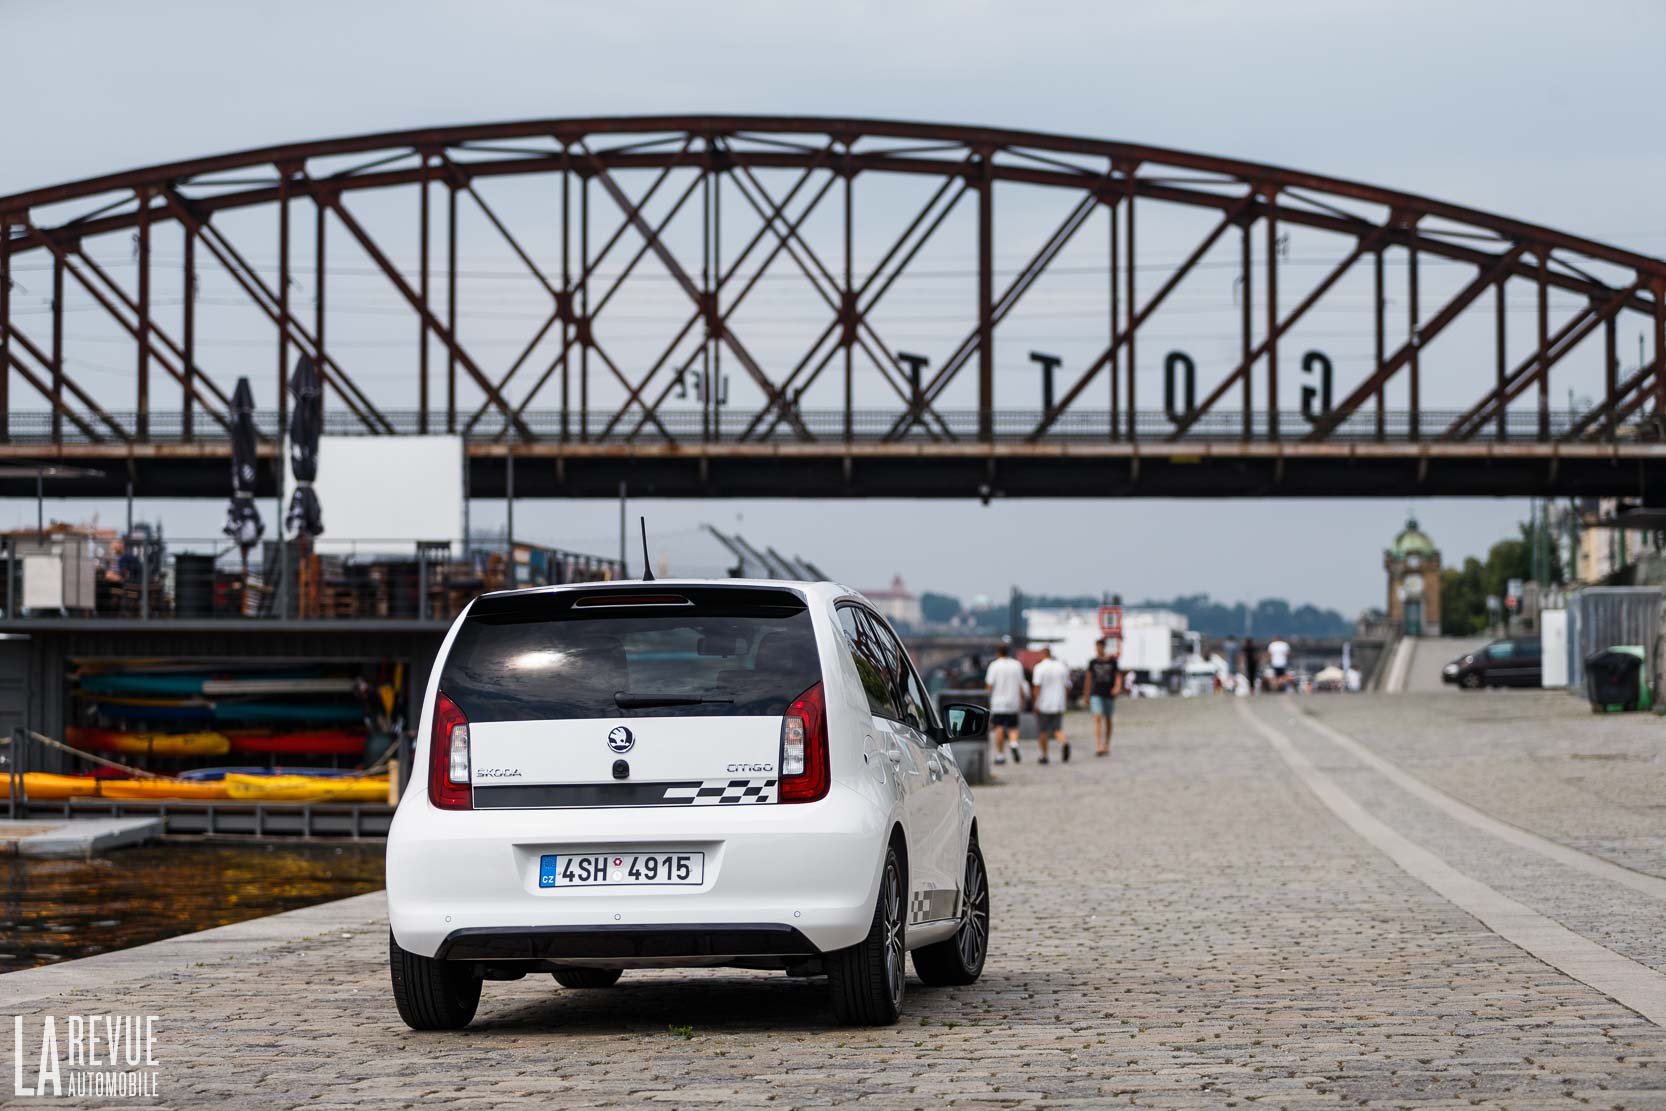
(162, 789)
(244, 788)
(151, 744)
(45, 785)
(42, 785)
(307, 788)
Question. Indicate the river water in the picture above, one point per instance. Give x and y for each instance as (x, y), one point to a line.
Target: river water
(56, 910)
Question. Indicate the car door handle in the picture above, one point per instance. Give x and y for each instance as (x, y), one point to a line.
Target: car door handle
(895, 756)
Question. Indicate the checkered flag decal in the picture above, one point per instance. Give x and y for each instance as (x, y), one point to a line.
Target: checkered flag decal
(933, 905)
(723, 792)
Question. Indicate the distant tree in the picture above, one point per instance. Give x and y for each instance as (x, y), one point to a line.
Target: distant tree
(997, 616)
(1061, 601)
(1202, 613)
(939, 609)
(1463, 599)
(1464, 590)
(1268, 617)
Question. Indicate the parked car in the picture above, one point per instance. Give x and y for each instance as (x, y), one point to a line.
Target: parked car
(682, 774)
(1511, 662)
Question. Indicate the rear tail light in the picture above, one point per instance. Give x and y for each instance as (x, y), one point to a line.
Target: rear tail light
(448, 757)
(805, 771)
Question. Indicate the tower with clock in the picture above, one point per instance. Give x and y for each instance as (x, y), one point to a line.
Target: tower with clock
(1413, 566)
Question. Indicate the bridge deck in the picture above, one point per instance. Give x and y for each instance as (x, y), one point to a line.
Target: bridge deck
(1052, 468)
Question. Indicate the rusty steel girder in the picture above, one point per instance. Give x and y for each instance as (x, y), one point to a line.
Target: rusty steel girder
(696, 162)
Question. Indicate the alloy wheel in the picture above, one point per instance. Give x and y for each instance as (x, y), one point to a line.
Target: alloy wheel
(894, 953)
(973, 937)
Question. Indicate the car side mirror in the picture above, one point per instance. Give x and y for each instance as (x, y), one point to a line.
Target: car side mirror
(966, 722)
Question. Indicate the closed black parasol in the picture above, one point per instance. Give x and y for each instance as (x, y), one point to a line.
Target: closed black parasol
(306, 422)
(243, 523)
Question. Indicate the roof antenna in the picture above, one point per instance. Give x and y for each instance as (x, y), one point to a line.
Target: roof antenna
(647, 568)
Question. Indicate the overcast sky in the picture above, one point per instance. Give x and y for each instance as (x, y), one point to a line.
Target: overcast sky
(1546, 111)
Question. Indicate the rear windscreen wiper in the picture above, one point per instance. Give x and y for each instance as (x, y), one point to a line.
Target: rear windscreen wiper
(635, 700)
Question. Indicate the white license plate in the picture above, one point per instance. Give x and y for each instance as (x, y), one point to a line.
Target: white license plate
(622, 870)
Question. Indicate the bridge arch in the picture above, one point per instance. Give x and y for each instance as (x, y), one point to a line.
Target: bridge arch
(710, 204)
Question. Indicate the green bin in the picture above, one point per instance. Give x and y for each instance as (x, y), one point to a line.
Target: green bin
(1616, 679)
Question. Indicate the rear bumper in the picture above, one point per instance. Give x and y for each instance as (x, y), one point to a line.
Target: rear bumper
(727, 939)
(461, 880)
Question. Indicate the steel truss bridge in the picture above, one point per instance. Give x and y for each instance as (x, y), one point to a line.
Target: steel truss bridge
(712, 203)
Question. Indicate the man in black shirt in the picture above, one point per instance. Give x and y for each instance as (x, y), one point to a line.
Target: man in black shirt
(1101, 683)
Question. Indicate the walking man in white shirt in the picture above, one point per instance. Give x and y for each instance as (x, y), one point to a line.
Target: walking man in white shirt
(1052, 692)
(1007, 690)
(1278, 658)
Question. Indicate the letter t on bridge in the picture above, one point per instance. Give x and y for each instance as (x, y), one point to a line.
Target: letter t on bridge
(1049, 363)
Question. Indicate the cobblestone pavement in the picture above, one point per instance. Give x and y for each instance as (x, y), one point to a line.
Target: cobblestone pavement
(1537, 759)
(1181, 925)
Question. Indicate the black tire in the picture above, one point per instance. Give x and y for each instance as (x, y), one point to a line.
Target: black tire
(958, 960)
(1472, 682)
(868, 979)
(587, 977)
(431, 994)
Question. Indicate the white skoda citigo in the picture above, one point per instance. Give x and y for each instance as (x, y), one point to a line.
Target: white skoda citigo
(682, 774)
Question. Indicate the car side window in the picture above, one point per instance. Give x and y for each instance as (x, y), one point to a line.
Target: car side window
(885, 648)
(1530, 649)
(867, 653)
(916, 701)
(916, 704)
(1501, 651)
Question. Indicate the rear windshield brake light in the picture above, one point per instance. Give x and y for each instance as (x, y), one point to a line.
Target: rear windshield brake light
(598, 601)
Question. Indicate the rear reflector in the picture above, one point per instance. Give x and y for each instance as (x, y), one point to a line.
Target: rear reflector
(806, 772)
(448, 757)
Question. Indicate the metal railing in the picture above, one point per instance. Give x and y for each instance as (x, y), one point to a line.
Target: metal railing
(69, 573)
(731, 426)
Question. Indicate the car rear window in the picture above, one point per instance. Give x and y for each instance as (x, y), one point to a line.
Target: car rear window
(709, 652)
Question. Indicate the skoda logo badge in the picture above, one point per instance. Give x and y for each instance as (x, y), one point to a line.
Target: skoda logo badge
(621, 739)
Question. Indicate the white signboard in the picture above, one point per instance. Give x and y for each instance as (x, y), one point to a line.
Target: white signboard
(388, 491)
(1553, 648)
